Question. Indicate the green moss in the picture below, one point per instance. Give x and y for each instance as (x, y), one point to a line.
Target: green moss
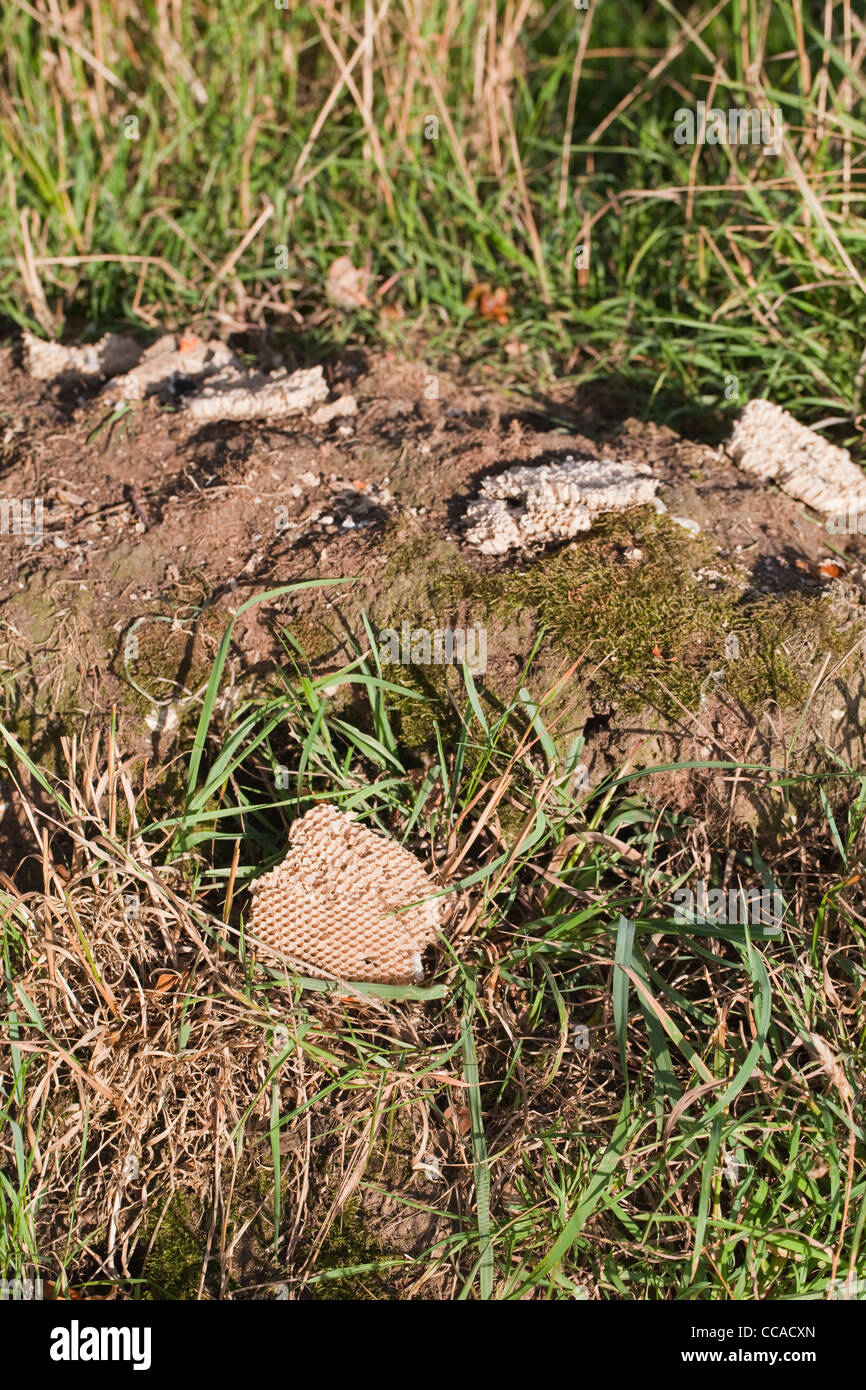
(783, 640)
(349, 1245)
(427, 584)
(651, 631)
(418, 719)
(630, 602)
(426, 570)
(319, 635)
(172, 1269)
(159, 662)
(38, 724)
(166, 792)
(635, 619)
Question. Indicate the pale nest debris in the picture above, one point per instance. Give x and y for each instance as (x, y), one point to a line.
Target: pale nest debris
(222, 388)
(553, 501)
(775, 447)
(238, 395)
(46, 361)
(347, 902)
(169, 361)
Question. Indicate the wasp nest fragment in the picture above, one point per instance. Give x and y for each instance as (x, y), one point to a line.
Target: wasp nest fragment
(228, 391)
(347, 902)
(238, 395)
(770, 443)
(171, 361)
(52, 361)
(553, 501)
(335, 410)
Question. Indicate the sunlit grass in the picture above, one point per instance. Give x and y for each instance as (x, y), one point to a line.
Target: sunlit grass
(702, 264)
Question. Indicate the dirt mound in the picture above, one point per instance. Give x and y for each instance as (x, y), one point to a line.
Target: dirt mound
(154, 526)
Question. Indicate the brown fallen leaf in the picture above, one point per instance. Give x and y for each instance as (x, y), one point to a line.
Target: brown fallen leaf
(347, 285)
(167, 980)
(491, 304)
(824, 569)
(459, 1117)
(831, 1067)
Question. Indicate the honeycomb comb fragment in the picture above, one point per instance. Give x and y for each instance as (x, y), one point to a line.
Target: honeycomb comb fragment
(346, 901)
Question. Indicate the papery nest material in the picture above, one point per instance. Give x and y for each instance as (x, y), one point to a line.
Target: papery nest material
(237, 395)
(528, 505)
(768, 442)
(169, 361)
(47, 361)
(228, 390)
(346, 902)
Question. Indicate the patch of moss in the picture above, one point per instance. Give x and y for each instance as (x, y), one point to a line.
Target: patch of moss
(172, 1269)
(159, 662)
(419, 719)
(629, 599)
(348, 1245)
(427, 584)
(625, 599)
(428, 571)
(319, 635)
(166, 792)
(783, 639)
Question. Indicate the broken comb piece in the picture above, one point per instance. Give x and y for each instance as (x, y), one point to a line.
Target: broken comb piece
(345, 901)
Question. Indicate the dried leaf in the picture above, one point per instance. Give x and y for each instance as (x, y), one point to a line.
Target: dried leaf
(459, 1117)
(830, 989)
(166, 981)
(491, 304)
(347, 286)
(831, 569)
(831, 1067)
